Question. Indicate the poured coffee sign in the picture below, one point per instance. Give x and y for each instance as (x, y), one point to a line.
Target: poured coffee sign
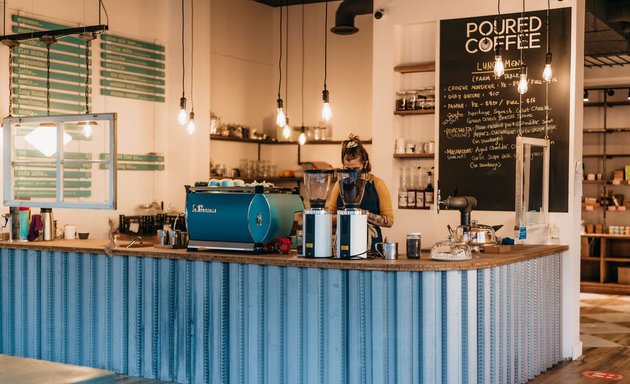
(480, 113)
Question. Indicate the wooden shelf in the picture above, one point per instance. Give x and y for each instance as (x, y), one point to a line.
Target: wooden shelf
(415, 112)
(593, 181)
(415, 68)
(618, 259)
(274, 142)
(414, 155)
(422, 208)
(609, 130)
(607, 155)
(606, 236)
(610, 288)
(607, 182)
(590, 258)
(608, 104)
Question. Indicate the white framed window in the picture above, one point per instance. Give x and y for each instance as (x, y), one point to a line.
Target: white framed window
(63, 161)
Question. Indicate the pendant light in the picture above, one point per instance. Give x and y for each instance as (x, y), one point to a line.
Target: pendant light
(281, 118)
(522, 82)
(287, 130)
(499, 68)
(326, 110)
(628, 93)
(182, 117)
(87, 125)
(190, 128)
(586, 95)
(547, 72)
(302, 137)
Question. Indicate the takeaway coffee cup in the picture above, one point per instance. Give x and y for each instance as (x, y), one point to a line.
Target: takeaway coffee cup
(389, 251)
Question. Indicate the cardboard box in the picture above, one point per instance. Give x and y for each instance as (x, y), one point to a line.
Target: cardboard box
(584, 248)
(627, 172)
(618, 174)
(623, 275)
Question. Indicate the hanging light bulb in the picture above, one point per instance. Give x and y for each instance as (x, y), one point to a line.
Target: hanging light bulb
(190, 128)
(326, 111)
(182, 118)
(522, 83)
(585, 95)
(547, 73)
(499, 68)
(281, 118)
(302, 138)
(628, 94)
(86, 128)
(286, 130)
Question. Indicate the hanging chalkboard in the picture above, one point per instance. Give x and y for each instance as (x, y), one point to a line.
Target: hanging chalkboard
(480, 113)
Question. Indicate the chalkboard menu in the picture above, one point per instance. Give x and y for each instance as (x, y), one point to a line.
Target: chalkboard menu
(481, 115)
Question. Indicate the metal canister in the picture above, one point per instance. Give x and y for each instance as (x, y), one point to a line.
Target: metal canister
(414, 245)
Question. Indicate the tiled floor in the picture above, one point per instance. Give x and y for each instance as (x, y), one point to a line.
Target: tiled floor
(605, 334)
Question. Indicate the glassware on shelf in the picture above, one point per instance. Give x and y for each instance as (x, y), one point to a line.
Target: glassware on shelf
(401, 101)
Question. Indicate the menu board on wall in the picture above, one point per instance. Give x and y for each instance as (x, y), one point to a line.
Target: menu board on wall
(132, 69)
(29, 66)
(481, 115)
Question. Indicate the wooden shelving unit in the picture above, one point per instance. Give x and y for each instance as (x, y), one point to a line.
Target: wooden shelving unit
(600, 262)
(414, 155)
(607, 130)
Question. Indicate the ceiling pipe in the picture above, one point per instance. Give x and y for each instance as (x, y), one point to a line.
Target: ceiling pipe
(344, 18)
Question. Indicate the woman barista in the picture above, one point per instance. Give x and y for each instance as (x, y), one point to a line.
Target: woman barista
(376, 198)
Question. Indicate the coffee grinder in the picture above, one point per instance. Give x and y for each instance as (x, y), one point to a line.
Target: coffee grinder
(317, 223)
(352, 228)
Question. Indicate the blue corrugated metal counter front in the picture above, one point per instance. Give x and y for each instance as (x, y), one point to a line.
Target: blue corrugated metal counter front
(211, 322)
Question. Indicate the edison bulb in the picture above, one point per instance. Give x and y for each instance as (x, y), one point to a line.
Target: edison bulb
(547, 72)
(191, 127)
(286, 131)
(499, 68)
(281, 118)
(522, 83)
(182, 118)
(302, 138)
(87, 130)
(326, 112)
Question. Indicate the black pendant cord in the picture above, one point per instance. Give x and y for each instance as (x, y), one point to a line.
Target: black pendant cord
(286, 69)
(192, 56)
(183, 59)
(548, 45)
(520, 95)
(302, 64)
(326, 45)
(280, 57)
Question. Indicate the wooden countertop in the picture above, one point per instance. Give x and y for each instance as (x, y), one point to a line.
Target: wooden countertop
(484, 260)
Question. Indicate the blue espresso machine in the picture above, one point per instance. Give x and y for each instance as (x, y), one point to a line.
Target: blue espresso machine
(239, 218)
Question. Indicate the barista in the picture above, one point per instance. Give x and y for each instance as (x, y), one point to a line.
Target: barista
(376, 198)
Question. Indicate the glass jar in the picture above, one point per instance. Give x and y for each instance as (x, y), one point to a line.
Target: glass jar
(401, 101)
(410, 97)
(420, 99)
(414, 245)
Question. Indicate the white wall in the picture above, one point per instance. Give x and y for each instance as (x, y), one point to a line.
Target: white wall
(404, 34)
(245, 51)
(142, 126)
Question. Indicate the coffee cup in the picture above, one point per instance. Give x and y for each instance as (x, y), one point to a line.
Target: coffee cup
(69, 232)
(387, 250)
